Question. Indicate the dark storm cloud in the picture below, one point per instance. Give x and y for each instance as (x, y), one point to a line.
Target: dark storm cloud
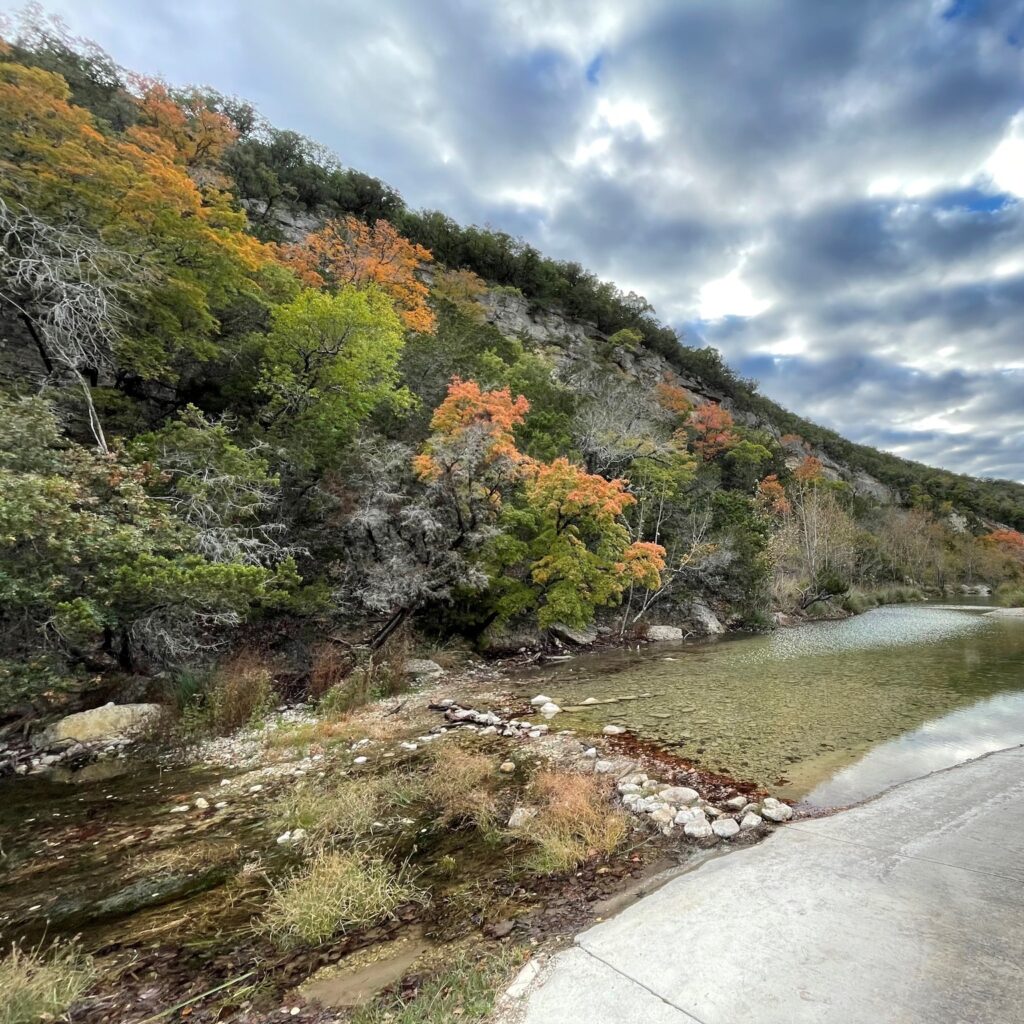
(823, 172)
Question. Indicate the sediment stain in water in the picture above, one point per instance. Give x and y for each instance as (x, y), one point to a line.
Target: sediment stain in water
(902, 690)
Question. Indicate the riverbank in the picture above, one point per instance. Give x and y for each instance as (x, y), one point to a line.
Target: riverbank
(907, 908)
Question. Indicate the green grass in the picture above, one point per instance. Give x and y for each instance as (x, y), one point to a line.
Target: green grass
(465, 991)
(336, 892)
(37, 986)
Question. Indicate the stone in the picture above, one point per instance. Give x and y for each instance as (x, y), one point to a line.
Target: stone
(697, 830)
(705, 619)
(590, 752)
(507, 767)
(713, 811)
(540, 700)
(653, 786)
(650, 804)
(689, 815)
(520, 816)
(550, 709)
(663, 817)
(220, 805)
(582, 637)
(736, 803)
(106, 724)
(632, 800)
(181, 808)
(409, 746)
(628, 787)
(603, 767)
(775, 810)
(664, 633)
(202, 803)
(681, 796)
(361, 759)
(589, 700)
(637, 778)
(491, 730)
(725, 828)
(613, 730)
(419, 668)
(750, 821)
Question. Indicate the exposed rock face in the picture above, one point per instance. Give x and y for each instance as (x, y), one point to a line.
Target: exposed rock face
(583, 637)
(664, 633)
(110, 722)
(509, 639)
(510, 313)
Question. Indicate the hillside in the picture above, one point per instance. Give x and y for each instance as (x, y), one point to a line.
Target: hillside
(250, 396)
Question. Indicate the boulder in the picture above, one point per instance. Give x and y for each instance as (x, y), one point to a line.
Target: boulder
(570, 634)
(697, 830)
(109, 723)
(664, 633)
(725, 828)
(689, 815)
(775, 810)
(420, 668)
(736, 803)
(613, 730)
(663, 817)
(510, 639)
(751, 821)
(705, 619)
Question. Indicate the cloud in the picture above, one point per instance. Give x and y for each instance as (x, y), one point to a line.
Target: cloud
(831, 193)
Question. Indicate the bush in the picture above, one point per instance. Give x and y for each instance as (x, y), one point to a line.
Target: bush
(37, 986)
(336, 893)
(575, 822)
(1010, 595)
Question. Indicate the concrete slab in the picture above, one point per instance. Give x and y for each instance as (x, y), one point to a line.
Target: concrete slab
(906, 910)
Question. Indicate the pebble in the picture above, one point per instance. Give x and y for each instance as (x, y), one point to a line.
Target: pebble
(409, 746)
(220, 805)
(540, 700)
(613, 730)
(507, 767)
(256, 788)
(181, 808)
(360, 760)
(590, 752)
(550, 709)
(725, 828)
(202, 803)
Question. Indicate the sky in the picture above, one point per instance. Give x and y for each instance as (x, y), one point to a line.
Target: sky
(828, 191)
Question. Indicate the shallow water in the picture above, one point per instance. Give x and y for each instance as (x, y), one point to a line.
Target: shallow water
(828, 713)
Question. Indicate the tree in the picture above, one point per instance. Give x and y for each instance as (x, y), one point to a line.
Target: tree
(349, 252)
(94, 563)
(711, 426)
(327, 362)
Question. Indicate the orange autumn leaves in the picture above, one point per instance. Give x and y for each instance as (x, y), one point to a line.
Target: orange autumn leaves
(350, 252)
(482, 422)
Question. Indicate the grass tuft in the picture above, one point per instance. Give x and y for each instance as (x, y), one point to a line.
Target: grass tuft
(336, 892)
(457, 785)
(576, 821)
(36, 986)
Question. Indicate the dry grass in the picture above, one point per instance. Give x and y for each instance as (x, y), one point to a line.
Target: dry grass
(336, 892)
(182, 860)
(343, 810)
(329, 665)
(576, 821)
(458, 783)
(349, 729)
(241, 692)
(36, 986)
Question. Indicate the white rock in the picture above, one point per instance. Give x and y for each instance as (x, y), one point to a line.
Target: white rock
(550, 709)
(108, 723)
(220, 805)
(628, 787)
(650, 804)
(690, 815)
(360, 760)
(202, 803)
(653, 786)
(535, 734)
(632, 801)
(712, 811)
(637, 778)
(751, 820)
(491, 730)
(589, 700)
(284, 838)
(736, 803)
(603, 767)
(697, 830)
(681, 796)
(181, 809)
(725, 828)
(663, 817)
(583, 637)
(409, 746)
(256, 788)
(520, 816)
(540, 700)
(507, 767)
(613, 730)
(776, 811)
(590, 752)
(664, 633)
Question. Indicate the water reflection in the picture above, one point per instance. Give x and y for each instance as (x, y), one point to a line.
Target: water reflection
(799, 707)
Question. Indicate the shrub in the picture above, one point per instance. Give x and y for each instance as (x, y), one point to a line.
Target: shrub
(575, 821)
(335, 893)
(37, 986)
(1010, 595)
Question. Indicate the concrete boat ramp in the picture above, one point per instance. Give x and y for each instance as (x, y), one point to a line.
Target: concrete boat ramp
(908, 909)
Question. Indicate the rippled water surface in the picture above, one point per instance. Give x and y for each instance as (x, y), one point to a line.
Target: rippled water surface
(830, 712)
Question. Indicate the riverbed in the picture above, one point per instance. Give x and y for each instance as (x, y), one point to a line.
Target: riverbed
(826, 713)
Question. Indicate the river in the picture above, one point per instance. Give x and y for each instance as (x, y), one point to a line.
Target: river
(825, 713)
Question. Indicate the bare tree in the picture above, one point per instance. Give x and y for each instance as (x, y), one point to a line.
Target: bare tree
(67, 288)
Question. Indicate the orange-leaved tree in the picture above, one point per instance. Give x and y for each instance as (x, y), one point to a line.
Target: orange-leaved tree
(771, 496)
(711, 426)
(350, 252)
